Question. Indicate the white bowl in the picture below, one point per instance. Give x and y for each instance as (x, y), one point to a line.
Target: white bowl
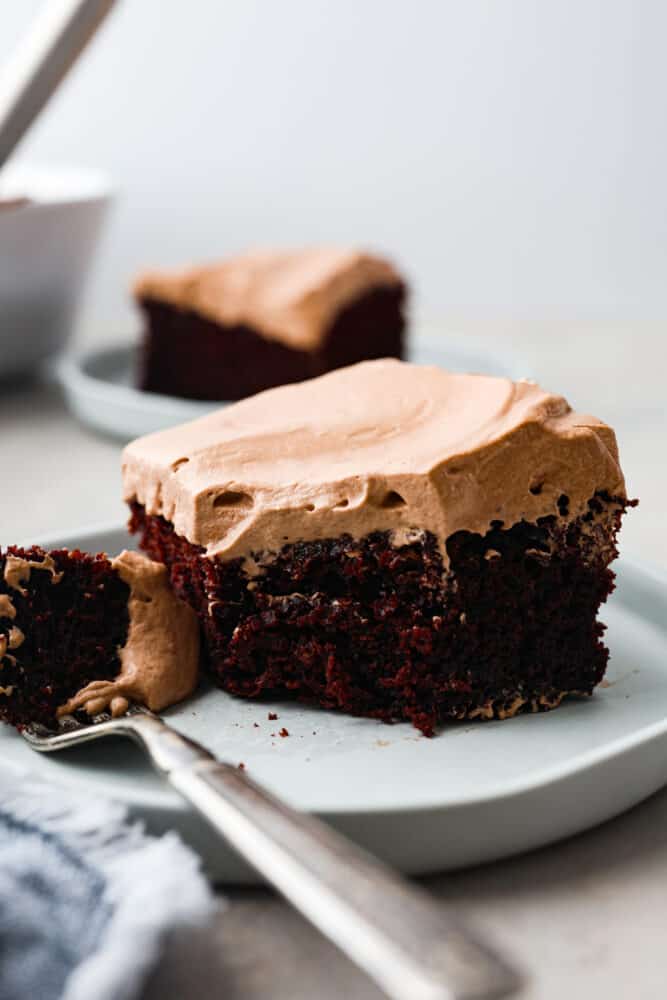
(46, 246)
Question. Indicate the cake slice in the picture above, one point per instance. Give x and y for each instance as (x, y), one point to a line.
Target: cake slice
(88, 633)
(390, 540)
(227, 330)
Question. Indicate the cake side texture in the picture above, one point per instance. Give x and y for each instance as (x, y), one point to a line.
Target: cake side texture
(375, 629)
(87, 633)
(63, 616)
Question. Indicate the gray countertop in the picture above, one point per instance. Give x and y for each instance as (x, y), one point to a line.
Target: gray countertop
(587, 916)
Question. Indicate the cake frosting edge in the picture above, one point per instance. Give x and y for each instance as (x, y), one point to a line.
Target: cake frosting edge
(379, 446)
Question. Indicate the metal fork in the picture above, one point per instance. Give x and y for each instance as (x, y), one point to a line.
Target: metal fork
(411, 947)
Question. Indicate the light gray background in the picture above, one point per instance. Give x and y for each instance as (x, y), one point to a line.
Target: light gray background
(510, 153)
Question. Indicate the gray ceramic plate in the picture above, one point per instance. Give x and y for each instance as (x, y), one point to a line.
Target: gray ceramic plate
(99, 384)
(474, 793)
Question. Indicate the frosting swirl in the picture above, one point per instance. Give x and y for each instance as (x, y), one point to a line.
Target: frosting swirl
(382, 445)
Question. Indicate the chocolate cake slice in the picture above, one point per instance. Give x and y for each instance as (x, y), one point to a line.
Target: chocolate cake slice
(87, 633)
(390, 540)
(227, 330)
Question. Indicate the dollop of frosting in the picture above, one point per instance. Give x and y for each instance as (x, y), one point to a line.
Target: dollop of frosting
(12, 640)
(288, 296)
(7, 609)
(16, 638)
(17, 571)
(160, 659)
(382, 445)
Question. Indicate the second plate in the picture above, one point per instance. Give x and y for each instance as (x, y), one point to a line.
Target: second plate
(100, 391)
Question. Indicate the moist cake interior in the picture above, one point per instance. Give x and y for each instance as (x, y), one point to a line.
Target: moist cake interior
(60, 629)
(84, 633)
(384, 631)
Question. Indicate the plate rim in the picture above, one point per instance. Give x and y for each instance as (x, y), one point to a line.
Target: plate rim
(70, 371)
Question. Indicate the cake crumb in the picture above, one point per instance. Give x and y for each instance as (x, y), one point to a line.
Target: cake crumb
(256, 725)
(283, 732)
(273, 716)
(382, 743)
(241, 766)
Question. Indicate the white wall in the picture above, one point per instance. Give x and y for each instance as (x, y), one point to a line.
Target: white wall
(512, 153)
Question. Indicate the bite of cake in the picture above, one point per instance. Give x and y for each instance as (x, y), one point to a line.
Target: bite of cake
(267, 318)
(390, 540)
(87, 633)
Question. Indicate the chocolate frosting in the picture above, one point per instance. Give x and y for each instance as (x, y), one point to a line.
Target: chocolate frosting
(17, 571)
(16, 638)
(7, 609)
(381, 445)
(289, 296)
(11, 641)
(160, 660)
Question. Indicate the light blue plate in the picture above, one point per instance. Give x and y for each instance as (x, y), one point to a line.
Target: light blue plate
(474, 793)
(99, 384)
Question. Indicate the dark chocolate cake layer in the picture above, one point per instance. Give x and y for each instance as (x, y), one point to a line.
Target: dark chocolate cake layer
(61, 626)
(83, 633)
(389, 632)
(186, 354)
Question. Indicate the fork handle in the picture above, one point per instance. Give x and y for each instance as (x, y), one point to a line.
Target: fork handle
(411, 947)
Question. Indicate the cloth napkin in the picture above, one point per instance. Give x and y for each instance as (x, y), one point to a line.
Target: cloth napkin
(86, 897)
